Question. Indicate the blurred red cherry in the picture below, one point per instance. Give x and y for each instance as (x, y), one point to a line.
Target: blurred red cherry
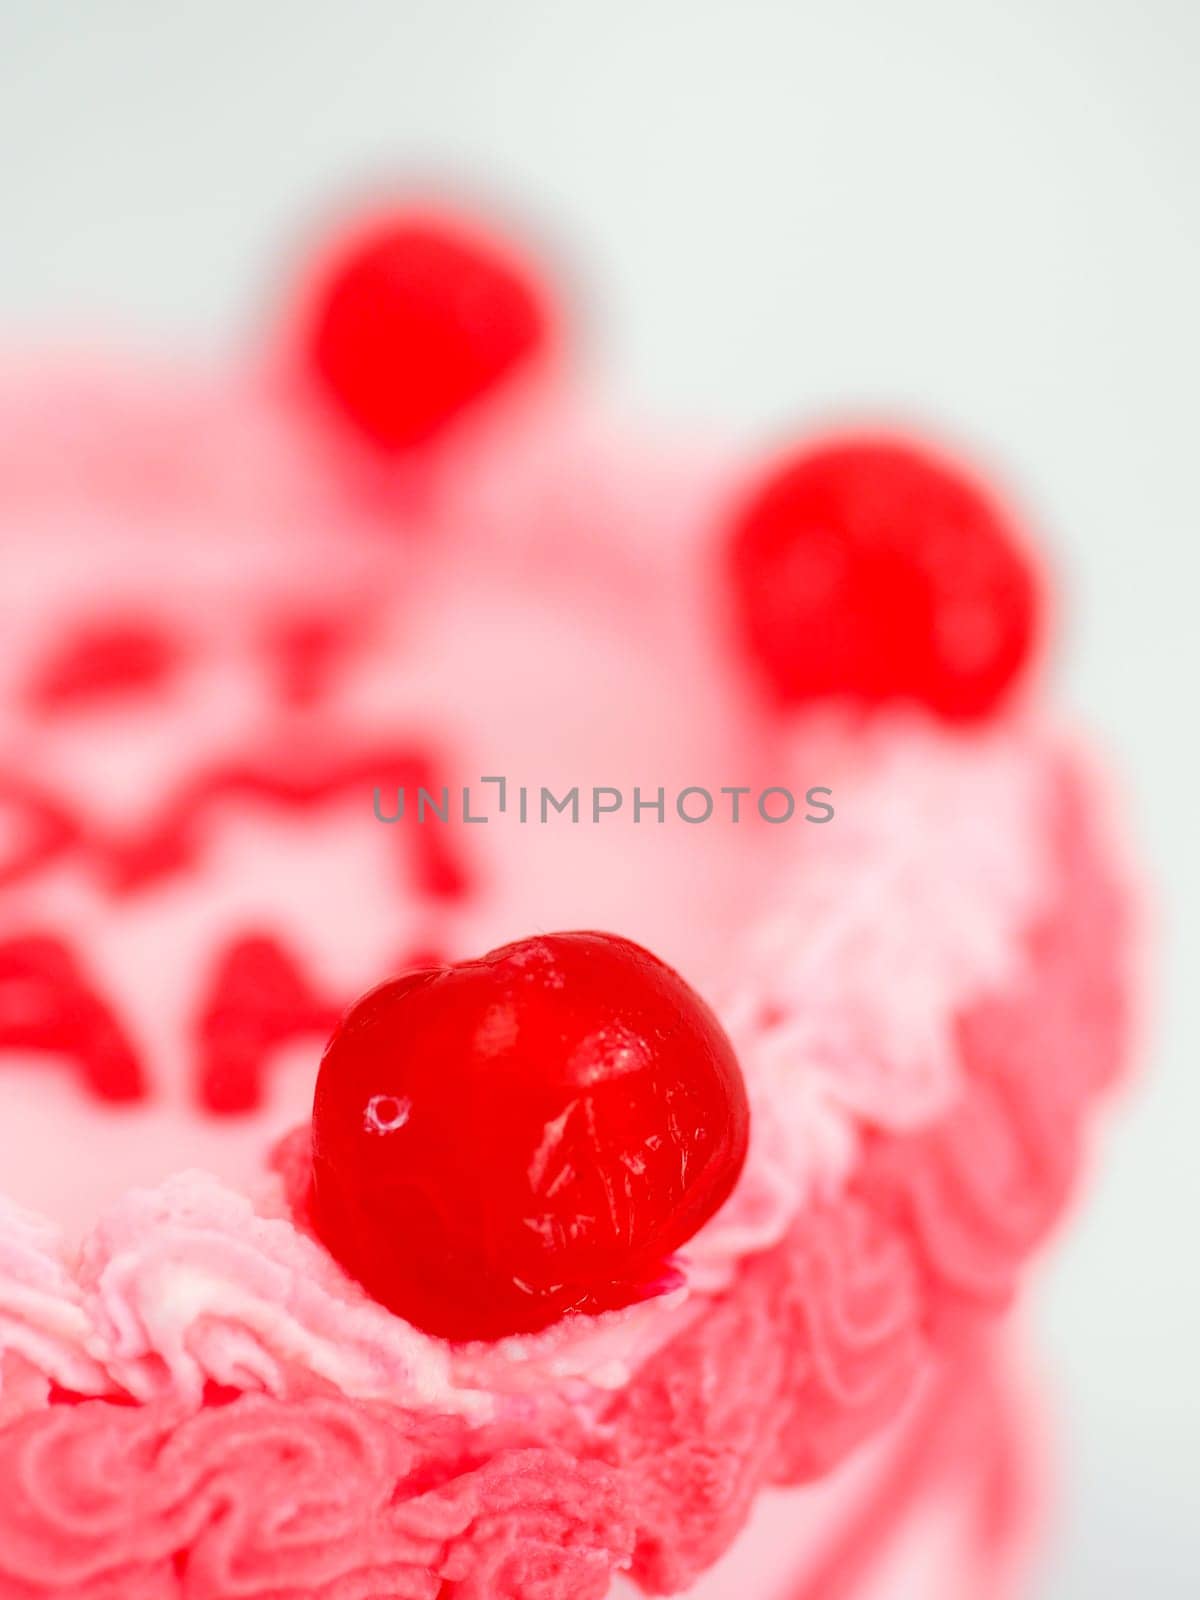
(415, 318)
(871, 568)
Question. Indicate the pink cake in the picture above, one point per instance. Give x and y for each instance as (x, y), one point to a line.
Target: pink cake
(244, 613)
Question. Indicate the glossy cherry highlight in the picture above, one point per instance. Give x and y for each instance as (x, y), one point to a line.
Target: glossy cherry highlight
(868, 567)
(414, 319)
(504, 1141)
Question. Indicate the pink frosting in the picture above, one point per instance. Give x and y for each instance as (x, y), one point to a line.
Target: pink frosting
(44, 1325)
(185, 1285)
(815, 1346)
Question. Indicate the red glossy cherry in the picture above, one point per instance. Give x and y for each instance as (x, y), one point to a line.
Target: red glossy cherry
(414, 319)
(868, 567)
(503, 1141)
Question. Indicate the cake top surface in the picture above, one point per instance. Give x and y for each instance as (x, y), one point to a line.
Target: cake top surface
(239, 614)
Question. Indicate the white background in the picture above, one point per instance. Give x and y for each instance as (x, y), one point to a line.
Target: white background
(986, 216)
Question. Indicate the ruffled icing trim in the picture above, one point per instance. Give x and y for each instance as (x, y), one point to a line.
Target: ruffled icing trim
(186, 1286)
(978, 1190)
(324, 1496)
(44, 1325)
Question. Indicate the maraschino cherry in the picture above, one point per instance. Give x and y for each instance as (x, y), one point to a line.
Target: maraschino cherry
(870, 568)
(507, 1140)
(416, 317)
